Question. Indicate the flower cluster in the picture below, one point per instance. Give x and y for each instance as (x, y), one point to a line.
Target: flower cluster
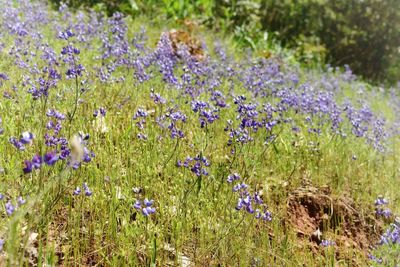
(10, 207)
(140, 116)
(102, 111)
(25, 139)
(391, 236)
(327, 243)
(85, 187)
(172, 121)
(146, 206)
(380, 204)
(248, 201)
(207, 113)
(197, 165)
(157, 98)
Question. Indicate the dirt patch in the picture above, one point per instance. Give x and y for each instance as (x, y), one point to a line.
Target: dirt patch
(315, 214)
(186, 38)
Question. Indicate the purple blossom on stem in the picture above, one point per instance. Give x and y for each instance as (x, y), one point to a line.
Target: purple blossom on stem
(21, 201)
(9, 208)
(327, 243)
(37, 161)
(28, 166)
(50, 158)
(137, 205)
(88, 192)
(26, 138)
(77, 191)
(233, 177)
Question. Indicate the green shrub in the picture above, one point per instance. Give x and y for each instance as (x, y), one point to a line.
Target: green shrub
(362, 34)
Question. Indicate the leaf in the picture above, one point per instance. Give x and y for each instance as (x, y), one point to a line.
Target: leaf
(133, 4)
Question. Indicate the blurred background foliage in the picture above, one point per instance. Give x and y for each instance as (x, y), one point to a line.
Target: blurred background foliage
(364, 34)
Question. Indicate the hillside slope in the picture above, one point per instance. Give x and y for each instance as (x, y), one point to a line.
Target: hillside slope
(126, 146)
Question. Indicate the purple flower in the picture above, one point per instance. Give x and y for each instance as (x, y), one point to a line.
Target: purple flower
(16, 143)
(257, 199)
(147, 202)
(140, 113)
(239, 187)
(1, 244)
(21, 201)
(384, 212)
(233, 177)
(267, 216)
(381, 201)
(88, 192)
(101, 110)
(37, 161)
(148, 211)
(55, 114)
(50, 158)
(87, 155)
(239, 205)
(137, 205)
(65, 35)
(157, 98)
(197, 165)
(9, 208)
(327, 243)
(375, 259)
(77, 191)
(28, 166)
(26, 138)
(4, 76)
(249, 209)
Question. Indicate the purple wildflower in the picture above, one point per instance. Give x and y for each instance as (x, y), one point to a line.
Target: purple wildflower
(381, 201)
(16, 143)
(137, 205)
(50, 158)
(148, 211)
(28, 166)
(37, 161)
(233, 177)
(88, 192)
(147, 202)
(327, 243)
(77, 191)
(26, 138)
(9, 208)
(21, 201)
(375, 259)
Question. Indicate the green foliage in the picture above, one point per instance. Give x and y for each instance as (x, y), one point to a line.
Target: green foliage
(362, 34)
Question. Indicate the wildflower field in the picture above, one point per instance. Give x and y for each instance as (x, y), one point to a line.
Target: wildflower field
(126, 143)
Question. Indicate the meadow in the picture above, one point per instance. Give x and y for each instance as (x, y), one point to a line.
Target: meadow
(126, 143)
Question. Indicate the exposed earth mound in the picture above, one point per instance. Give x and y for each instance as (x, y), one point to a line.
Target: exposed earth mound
(315, 214)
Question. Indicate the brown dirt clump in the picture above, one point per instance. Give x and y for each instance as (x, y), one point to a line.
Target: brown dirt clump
(186, 38)
(315, 212)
